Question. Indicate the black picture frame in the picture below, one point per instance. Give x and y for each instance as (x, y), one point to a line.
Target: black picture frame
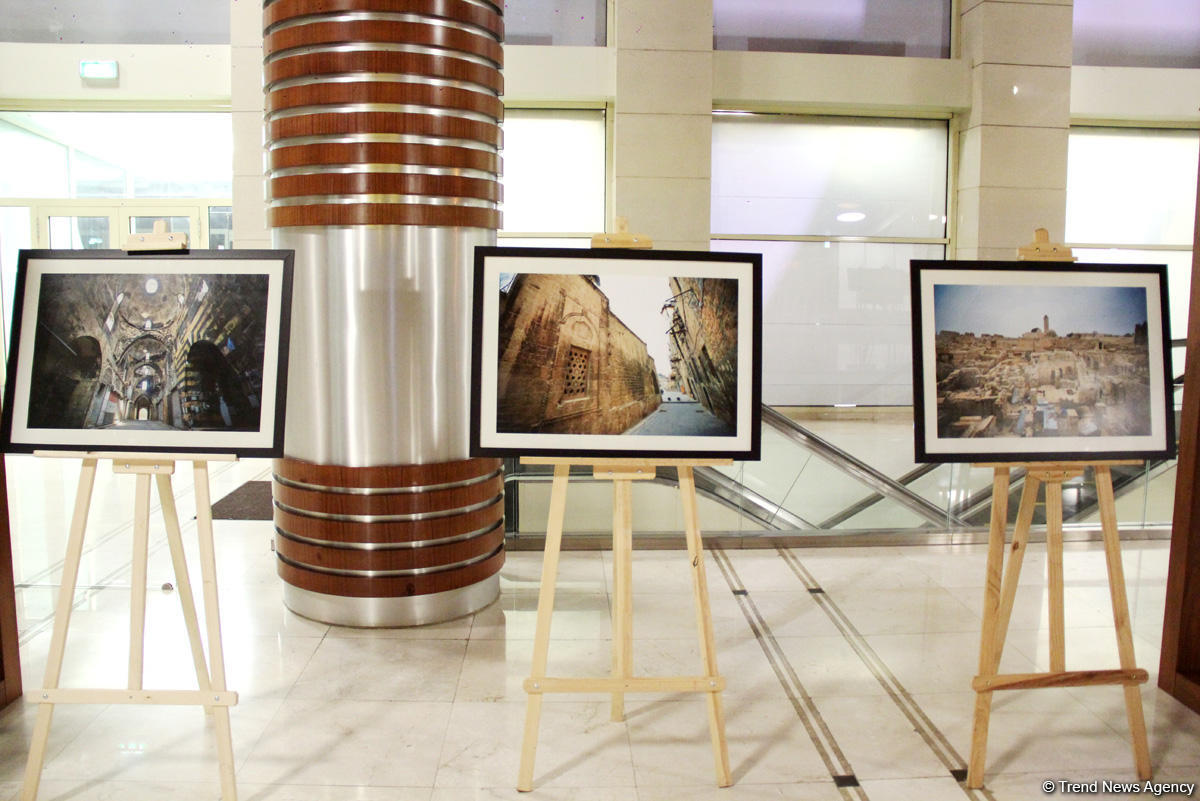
(180, 352)
(568, 358)
(995, 381)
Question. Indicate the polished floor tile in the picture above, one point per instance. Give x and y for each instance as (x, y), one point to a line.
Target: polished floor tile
(848, 675)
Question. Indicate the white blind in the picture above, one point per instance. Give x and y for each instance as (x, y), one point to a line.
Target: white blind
(828, 176)
(553, 171)
(1131, 187)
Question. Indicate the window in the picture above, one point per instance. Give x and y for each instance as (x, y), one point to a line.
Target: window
(1148, 33)
(181, 22)
(582, 23)
(837, 206)
(575, 384)
(1130, 186)
(1131, 197)
(862, 27)
(115, 154)
(554, 173)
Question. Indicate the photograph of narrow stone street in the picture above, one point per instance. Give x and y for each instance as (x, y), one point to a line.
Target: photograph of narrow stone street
(617, 354)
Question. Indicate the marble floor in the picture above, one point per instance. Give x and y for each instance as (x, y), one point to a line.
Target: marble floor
(848, 673)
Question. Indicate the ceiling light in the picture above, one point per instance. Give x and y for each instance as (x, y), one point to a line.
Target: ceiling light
(151, 286)
(851, 216)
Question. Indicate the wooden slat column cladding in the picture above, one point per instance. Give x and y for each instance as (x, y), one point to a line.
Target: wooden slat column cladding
(383, 134)
(389, 531)
(383, 112)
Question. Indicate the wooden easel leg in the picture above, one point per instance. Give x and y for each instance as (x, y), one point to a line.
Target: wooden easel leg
(1012, 572)
(1120, 605)
(708, 647)
(989, 656)
(62, 619)
(137, 582)
(991, 608)
(622, 605)
(182, 581)
(212, 620)
(1054, 577)
(541, 638)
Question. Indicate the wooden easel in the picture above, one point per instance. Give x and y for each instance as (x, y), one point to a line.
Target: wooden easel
(210, 677)
(998, 597)
(623, 472)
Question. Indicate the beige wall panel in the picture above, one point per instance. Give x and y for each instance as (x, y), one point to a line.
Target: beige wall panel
(967, 220)
(970, 158)
(50, 72)
(1033, 158)
(664, 24)
(249, 208)
(658, 145)
(1042, 98)
(252, 243)
(248, 143)
(666, 209)
(967, 5)
(998, 254)
(1017, 33)
(682, 244)
(245, 23)
(981, 254)
(1008, 217)
(768, 80)
(664, 82)
(535, 74)
(246, 79)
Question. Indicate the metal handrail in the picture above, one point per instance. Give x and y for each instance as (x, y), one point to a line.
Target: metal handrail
(884, 486)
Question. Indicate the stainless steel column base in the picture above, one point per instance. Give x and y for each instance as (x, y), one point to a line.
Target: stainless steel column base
(413, 610)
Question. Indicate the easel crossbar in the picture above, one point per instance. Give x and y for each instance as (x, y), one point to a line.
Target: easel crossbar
(73, 695)
(1068, 678)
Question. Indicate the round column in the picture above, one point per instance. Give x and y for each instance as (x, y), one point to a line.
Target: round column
(383, 130)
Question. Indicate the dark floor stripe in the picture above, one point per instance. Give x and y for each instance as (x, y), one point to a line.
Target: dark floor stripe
(806, 710)
(929, 732)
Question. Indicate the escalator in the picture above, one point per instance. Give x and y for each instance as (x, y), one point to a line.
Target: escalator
(806, 484)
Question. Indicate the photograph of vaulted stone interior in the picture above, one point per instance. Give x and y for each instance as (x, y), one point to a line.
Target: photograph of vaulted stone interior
(1042, 361)
(139, 351)
(617, 354)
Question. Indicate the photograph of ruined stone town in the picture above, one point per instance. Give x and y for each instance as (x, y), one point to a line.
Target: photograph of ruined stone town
(1041, 361)
(149, 352)
(617, 354)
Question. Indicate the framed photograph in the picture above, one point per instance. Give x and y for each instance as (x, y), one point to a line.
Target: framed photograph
(1041, 361)
(162, 353)
(605, 353)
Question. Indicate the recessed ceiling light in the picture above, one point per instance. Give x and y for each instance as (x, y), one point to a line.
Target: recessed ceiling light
(851, 216)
